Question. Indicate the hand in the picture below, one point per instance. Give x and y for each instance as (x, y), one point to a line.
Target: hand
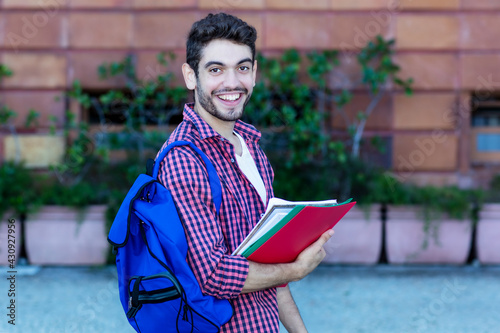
(264, 276)
(312, 256)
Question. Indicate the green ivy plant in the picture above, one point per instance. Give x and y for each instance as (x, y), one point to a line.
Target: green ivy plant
(379, 71)
(133, 119)
(286, 107)
(16, 189)
(143, 106)
(5, 71)
(452, 201)
(16, 181)
(282, 103)
(142, 102)
(492, 194)
(293, 99)
(7, 114)
(379, 75)
(434, 202)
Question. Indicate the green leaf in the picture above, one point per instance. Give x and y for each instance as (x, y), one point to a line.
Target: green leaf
(32, 118)
(6, 115)
(361, 115)
(5, 71)
(53, 120)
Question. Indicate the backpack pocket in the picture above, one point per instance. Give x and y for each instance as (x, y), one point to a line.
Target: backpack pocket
(161, 296)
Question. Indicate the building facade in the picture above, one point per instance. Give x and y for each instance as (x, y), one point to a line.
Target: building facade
(448, 132)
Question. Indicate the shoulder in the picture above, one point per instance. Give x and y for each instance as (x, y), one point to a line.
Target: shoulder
(185, 131)
(182, 162)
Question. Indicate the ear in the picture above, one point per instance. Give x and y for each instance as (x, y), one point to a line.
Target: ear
(189, 76)
(254, 72)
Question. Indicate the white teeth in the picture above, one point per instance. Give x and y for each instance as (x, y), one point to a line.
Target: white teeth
(232, 97)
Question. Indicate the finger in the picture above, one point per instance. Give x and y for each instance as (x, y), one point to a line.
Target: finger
(325, 237)
(318, 244)
(322, 254)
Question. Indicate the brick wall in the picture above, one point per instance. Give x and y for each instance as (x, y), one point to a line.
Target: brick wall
(450, 47)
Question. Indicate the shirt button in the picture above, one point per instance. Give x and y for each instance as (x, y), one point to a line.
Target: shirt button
(232, 160)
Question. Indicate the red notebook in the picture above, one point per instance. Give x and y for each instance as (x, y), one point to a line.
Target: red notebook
(298, 233)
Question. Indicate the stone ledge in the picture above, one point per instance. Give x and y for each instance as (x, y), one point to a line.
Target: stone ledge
(36, 150)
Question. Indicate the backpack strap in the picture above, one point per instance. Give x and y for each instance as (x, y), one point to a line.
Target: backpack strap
(215, 184)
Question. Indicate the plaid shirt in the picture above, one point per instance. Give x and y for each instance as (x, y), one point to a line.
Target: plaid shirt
(211, 240)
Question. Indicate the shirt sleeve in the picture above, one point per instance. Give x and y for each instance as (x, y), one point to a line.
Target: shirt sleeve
(218, 273)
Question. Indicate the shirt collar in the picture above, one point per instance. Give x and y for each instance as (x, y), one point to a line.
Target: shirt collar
(245, 130)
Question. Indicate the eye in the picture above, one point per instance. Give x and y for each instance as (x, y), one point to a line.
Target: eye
(244, 68)
(215, 70)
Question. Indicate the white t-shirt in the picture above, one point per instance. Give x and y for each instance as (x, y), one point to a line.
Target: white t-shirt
(249, 168)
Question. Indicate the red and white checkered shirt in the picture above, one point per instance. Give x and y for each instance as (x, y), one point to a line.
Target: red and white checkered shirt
(212, 239)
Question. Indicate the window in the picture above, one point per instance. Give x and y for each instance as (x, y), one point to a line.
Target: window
(122, 125)
(485, 123)
(150, 114)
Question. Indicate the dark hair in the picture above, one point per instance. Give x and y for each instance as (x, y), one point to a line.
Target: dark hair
(217, 26)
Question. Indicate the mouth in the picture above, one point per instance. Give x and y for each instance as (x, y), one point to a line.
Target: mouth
(230, 98)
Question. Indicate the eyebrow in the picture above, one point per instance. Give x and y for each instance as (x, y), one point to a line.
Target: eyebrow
(211, 63)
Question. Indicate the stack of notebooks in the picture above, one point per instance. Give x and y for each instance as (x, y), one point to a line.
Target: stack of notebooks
(289, 227)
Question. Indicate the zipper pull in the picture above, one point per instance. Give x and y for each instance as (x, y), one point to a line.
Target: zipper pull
(184, 315)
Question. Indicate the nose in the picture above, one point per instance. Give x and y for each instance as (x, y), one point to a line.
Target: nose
(231, 79)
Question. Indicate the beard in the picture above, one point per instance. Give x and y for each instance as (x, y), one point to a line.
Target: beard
(206, 102)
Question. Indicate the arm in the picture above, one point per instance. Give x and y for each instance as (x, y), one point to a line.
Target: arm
(264, 276)
(288, 312)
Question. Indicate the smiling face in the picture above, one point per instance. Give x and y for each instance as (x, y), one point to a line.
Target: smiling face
(226, 76)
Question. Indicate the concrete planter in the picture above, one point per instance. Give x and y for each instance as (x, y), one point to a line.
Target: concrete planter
(488, 235)
(405, 238)
(357, 238)
(15, 239)
(58, 235)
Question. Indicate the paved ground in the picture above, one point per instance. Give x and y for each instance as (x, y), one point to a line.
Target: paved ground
(332, 299)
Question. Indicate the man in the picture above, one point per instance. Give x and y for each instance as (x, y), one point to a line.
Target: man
(221, 69)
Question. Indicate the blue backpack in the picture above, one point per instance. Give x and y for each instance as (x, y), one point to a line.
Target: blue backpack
(158, 290)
